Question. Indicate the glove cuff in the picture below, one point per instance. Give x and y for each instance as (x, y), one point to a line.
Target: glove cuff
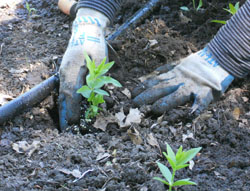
(106, 7)
(72, 11)
(204, 68)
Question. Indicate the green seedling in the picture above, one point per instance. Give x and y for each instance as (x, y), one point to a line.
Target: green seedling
(177, 161)
(232, 10)
(184, 8)
(95, 80)
(29, 9)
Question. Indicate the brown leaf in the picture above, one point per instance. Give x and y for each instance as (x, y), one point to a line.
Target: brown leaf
(135, 136)
(236, 113)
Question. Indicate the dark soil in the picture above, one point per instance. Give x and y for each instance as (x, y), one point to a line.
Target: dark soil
(31, 48)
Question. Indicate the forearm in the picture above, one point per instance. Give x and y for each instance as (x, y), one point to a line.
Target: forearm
(231, 45)
(107, 7)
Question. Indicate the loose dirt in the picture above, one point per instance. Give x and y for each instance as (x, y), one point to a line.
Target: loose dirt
(35, 156)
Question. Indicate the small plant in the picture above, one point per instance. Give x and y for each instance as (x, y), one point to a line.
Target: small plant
(30, 10)
(176, 162)
(232, 10)
(95, 81)
(184, 8)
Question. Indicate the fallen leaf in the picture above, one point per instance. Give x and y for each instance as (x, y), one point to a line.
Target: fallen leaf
(245, 99)
(134, 116)
(102, 156)
(4, 99)
(236, 113)
(102, 121)
(120, 116)
(24, 147)
(189, 135)
(135, 136)
(76, 173)
(127, 93)
(191, 164)
(152, 140)
(153, 43)
(14, 71)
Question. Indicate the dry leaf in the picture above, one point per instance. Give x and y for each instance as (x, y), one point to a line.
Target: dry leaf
(76, 173)
(127, 93)
(4, 99)
(134, 116)
(245, 99)
(102, 156)
(191, 164)
(189, 135)
(153, 43)
(134, 136)
(24, 147)
(236, 113)
(102, 121)
(152, 140)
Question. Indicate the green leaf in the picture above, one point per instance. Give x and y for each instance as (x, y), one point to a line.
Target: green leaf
(106, 68)
(171, 162)
(199, 6)
(183, 182)
(184, 8)
(85, 91)
(232, 9)
(181, 166)
(179, 152)
(98, 99)
(109, 80)
(188, 155)
(171, 153)
(100, 67)
(237, 6)
(95, 108)
(161, 180)
(27, 6)
(101, 92)
(90, 80)
(165, 172)
(91, 97)
(219, 21)
(90, 64)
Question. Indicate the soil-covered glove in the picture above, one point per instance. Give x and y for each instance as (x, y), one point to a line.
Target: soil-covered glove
(88, 35)
(197, 77)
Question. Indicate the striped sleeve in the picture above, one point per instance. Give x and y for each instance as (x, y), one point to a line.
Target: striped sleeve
(107, 7)
(231, 45)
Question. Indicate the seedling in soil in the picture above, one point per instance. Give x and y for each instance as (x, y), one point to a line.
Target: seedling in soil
(95, 81)
(30, 10)
(232, 10)
(177, 161)
(184, 8)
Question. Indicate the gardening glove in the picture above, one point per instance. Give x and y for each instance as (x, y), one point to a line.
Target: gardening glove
(88, 35)
(197, 77)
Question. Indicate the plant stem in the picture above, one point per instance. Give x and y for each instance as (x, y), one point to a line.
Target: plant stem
(172, 180)
(194, 4)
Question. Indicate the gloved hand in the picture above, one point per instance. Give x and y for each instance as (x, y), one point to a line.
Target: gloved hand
(197, 77)
(88, 35)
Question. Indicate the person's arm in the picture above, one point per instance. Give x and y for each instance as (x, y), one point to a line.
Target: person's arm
(107, 7)
(203, 76)
(231, 45)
